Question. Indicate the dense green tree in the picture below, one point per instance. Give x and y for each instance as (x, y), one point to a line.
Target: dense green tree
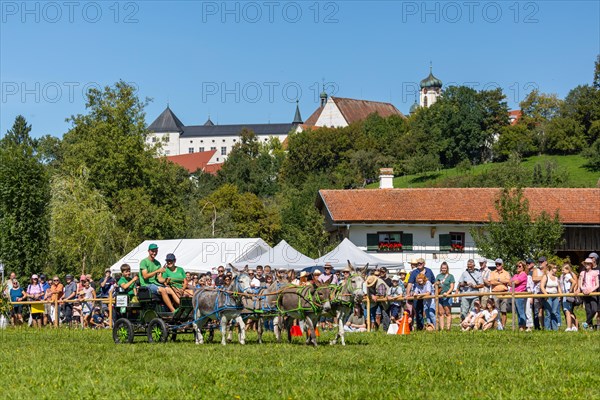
(582, 105)
(538, 110)
(592, 154)
(83, 230)
(515, 234)
(253, 166)
(564, 136)
(24, 197)
(514, 139)
(148, 195)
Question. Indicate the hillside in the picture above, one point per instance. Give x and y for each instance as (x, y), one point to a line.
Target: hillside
(576, 175)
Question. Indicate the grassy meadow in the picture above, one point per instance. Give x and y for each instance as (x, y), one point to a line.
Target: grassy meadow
(64, 363)
(578, 174)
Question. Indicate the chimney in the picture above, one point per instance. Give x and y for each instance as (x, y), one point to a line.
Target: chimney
(386, 178)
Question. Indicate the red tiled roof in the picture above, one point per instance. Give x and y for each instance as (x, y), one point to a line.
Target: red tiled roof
(514, 116)
(213, 168)
(313, 118)
(193, 161)
(461, 205)
(355, 110)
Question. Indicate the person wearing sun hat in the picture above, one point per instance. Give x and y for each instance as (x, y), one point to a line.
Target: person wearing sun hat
(376, 288)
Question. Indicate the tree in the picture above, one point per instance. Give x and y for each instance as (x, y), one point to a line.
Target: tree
(564, 136)
(24, 196)
(149, 195)
(582, 105)
(593, 156)
(83, 229)
(514, 139)
(253, 166)
(538, 110)
(516, 235)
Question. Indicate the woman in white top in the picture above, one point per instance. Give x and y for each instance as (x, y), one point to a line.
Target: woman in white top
(568, 284)
(488, 317)
(550, 285)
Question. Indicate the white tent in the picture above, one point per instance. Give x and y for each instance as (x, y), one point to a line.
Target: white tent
(196, 255)
(283, 255)
(347, 251)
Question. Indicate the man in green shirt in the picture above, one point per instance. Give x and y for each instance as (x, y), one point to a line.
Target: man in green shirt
(174, 277)
(150, 271)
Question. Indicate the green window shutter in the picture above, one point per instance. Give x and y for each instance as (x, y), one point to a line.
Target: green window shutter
(372, 242)
(445, 243)
(407, 242)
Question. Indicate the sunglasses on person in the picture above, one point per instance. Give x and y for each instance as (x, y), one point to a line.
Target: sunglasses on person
(55, 280)
(420, 263)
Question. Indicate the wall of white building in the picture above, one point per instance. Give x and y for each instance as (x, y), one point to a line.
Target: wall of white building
(424, 245)
(331, 116)
(174, 145)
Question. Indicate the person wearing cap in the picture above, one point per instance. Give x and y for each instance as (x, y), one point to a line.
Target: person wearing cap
(469, 282)
(174, 276)
(595, 258)
(328, 275)
(106, 284)
(395, 294)
(589, 283)
(500, 281)
(69, 293)
(128, 283)
(35, 292)
(538, 272)
(150, 271)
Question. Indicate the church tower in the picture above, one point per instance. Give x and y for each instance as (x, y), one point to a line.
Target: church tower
(431, 89)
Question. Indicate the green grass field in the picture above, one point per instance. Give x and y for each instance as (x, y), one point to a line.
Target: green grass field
(578, 175)
(74, 364)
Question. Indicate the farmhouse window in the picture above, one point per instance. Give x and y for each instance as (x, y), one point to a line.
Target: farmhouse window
(386, 242)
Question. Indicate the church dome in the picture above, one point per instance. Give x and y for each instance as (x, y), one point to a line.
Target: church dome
(414, 108)
(431, 81)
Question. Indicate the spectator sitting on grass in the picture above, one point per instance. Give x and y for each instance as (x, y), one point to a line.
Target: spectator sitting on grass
(488, 319)
(469, 322)
(356, 322)
(97, 320)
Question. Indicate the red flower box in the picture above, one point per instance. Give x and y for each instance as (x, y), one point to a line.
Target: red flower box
(390, 247)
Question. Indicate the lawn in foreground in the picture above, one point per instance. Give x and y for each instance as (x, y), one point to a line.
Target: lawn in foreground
(87, 364)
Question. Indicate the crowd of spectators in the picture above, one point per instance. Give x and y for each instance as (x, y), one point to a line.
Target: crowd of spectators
(390, 296)
(484, 295)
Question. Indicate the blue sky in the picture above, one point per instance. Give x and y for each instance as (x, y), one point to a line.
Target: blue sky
(247, 62)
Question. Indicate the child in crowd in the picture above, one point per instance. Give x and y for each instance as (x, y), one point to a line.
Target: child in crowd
(471, 318)
(489, 317)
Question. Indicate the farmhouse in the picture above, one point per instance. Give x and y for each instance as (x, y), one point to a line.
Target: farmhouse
(435, 223)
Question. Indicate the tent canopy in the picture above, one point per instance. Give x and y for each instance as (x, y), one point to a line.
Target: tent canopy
(347, 251)
(282, 256)
(196, 255)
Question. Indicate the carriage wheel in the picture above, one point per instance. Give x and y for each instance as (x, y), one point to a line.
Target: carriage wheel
(157, 330)
(123, 331)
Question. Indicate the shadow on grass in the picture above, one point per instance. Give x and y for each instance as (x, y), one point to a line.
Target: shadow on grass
(425, 178)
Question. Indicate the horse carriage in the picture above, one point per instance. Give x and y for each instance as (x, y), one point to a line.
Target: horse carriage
(224, 305)
(148, 316)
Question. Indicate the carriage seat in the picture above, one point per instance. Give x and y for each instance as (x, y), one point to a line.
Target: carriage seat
(145, 295)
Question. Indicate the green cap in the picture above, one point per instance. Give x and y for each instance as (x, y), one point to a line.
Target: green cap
(153, 246)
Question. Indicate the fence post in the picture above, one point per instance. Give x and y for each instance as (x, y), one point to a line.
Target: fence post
(110, 309)
(55, 316)
(512, 294)
(437, 305)
(368, 312)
